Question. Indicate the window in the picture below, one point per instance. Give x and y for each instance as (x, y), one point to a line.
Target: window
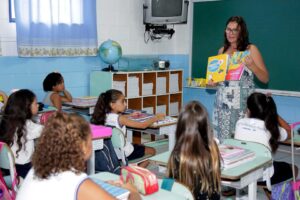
(12, 16)
(61, 12)
(56, 28)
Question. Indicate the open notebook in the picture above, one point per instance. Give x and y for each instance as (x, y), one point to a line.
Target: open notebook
(117, 192)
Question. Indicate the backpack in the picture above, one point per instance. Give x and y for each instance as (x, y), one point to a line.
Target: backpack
(106, 159)
(4, 191)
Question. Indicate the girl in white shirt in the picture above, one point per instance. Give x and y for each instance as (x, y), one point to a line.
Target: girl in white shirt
(18, 130)
(264, 126)
(108, 111)
(59, 162)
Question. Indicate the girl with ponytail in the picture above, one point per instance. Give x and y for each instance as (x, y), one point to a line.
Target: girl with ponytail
(109, 111)
(265, 126)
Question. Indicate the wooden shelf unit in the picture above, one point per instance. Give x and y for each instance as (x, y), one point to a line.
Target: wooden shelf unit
(164, 95)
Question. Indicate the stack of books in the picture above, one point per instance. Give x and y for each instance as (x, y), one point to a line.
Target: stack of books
(119, 85)
(133, 91)
(84, 101)
(233, 156)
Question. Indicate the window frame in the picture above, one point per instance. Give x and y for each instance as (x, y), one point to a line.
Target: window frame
(12, 19)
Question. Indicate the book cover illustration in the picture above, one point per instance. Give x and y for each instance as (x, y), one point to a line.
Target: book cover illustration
(217, 68)
(236, 66)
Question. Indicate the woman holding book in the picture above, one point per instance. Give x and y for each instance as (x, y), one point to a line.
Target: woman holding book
(230, 101)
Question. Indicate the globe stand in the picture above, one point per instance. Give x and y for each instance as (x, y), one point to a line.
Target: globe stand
(110, 68)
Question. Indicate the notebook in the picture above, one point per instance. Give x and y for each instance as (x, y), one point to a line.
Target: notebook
(117, 192)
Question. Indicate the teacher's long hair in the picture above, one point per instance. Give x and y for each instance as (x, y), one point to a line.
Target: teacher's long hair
(195, 159)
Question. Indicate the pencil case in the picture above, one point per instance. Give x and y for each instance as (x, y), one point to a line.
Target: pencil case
(144, 180)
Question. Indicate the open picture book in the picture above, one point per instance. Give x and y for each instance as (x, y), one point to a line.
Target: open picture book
(223, 67)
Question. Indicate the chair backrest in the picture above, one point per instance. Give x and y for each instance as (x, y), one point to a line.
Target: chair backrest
(181, 189)
(177, 188)
(7, 162)
(118, 140)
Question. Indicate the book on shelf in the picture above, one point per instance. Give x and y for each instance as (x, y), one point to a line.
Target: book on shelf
(233, 156)
(236, 65)
(217, 68)
(117, 192)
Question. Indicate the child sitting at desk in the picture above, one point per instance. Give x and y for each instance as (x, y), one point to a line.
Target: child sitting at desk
(264, 126)
(54, 85)
(18, 130)
(108, 111)
(59, 163)
(195, 159)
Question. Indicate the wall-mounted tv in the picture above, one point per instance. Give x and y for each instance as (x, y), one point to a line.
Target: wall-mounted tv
(165, 11)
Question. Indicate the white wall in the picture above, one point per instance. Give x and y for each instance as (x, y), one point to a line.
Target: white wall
(119, 20)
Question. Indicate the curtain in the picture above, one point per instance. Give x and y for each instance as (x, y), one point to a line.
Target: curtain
(56, 28)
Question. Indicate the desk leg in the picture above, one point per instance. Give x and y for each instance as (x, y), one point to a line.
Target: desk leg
(129, 135)
(172, 138)
(252, 190)
(91, 164)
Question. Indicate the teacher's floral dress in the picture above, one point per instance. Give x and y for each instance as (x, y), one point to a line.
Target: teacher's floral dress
(230, 104)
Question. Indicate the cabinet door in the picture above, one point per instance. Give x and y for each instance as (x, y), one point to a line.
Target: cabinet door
(100, 82)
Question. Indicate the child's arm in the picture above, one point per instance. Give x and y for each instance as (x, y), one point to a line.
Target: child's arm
(124, 120)
(90, 190)
(285, 125)
(56, 101)
(66, 97)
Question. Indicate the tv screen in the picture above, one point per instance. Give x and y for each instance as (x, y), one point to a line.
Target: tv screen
(165, 11)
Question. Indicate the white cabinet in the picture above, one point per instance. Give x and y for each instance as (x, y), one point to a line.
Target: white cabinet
(153, 91)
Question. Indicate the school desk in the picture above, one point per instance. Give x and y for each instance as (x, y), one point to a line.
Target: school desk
(296, 140)
(161, 194)
(240, 176)
(163, 127)
(98, 134)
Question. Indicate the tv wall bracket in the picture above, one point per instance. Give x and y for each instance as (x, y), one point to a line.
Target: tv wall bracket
(157, 32)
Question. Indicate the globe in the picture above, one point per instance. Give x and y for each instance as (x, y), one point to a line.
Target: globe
(110, 52)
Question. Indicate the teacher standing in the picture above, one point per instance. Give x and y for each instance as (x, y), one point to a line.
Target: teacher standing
(231, 96)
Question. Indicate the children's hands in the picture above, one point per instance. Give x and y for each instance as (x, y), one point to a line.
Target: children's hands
(134, 195)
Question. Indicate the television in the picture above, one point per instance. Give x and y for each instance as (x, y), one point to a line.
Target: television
(165, 11)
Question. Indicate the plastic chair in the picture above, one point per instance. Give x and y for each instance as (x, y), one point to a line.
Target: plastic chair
(119, 141)
(7, 162)
(177, 188)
